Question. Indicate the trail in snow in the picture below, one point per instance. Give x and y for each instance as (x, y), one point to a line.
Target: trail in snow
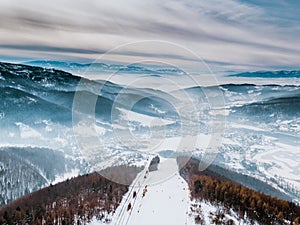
(159, 199)
(162, 197)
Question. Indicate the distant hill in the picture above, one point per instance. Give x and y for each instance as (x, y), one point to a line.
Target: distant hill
(96, 67)
(270, 74)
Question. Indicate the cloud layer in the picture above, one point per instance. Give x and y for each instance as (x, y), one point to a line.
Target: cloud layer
(231, 33)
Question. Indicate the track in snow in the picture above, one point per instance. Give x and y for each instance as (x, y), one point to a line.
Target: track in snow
(165, 201)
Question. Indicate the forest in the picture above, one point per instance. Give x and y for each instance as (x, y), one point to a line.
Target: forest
(255, 205)
(74, 201)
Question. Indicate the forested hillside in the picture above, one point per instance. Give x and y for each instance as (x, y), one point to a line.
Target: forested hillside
(74, 201)
(217, 189)
(27, 169)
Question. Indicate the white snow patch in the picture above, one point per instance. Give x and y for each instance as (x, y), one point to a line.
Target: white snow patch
(144, 120)
(27, 132)
(65, 176)
(207, 211)
(165, 202)
(239, 126)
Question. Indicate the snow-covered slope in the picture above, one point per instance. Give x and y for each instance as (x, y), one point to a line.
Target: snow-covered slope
(261, 138)
(26, 169)
(206, 213)
(155, 198)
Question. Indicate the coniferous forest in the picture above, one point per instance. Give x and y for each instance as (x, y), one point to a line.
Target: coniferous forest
(255, 205)
(74, 201)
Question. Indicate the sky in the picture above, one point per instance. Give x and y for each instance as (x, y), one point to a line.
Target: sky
(231, 34)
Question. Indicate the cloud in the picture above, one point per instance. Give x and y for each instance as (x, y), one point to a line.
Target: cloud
(228, 32)
(44, 48)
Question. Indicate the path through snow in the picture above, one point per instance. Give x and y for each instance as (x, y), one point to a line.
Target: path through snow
(159, 199)
(162, 197)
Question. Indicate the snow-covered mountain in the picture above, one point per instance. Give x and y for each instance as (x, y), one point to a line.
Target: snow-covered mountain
(36, 136)
(186, 197)
(158, 203)
(260, 138)
(169, 201)
(100, 67)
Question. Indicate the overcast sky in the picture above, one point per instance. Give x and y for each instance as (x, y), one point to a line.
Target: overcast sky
(232, 34)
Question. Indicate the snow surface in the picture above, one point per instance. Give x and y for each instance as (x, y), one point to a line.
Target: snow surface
(159, 198)
(62, 177)
(142, 119)
(207, 210)
(162, 199)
